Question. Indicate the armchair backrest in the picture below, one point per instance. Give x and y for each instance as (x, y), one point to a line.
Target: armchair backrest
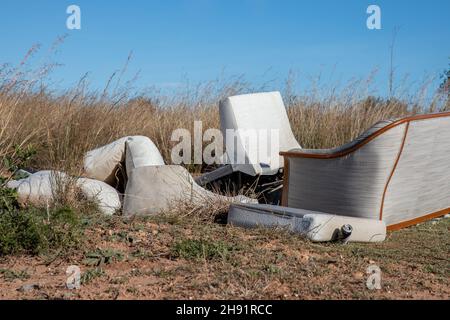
(256, 115)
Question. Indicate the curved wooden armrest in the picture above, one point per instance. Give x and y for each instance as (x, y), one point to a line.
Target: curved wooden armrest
(359, 142)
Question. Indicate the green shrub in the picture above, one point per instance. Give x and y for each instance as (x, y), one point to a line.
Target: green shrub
(18, 158)
(11, 275)
(8, 200)
(36, 231)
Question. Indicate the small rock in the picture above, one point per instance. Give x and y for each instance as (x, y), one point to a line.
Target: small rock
(358, 275)
(28, 287)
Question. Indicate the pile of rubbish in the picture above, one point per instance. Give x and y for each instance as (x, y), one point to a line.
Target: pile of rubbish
(354, 192)
(151, 187)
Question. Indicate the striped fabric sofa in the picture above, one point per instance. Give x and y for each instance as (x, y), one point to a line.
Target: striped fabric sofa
(398, 171)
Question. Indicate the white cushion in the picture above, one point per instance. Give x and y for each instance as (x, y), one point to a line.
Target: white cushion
(156, 189)
(141, 152)
(102, 163)
(40, 188)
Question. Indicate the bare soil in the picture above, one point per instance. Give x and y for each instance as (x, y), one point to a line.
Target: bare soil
(158, 259)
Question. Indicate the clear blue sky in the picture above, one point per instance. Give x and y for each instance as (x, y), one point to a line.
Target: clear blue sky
(200, 40)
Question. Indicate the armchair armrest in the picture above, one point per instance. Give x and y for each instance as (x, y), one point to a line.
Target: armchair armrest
(343, 150)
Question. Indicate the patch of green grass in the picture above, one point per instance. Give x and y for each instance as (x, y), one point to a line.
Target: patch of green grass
(11, 275)
(99, 257)
(439, 270)
(162, 273)
(201, 249)
(91, 274)
(122, 236)
(142, 254)
(36, 231)
(272, 269)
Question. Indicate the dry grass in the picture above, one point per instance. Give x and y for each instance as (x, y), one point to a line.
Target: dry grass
(62, 127)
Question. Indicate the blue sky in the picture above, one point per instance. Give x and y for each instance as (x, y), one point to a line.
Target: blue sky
(202, 40)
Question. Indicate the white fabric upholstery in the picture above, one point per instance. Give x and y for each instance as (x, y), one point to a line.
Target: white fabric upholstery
(256, 112)
(102, 163)
(156, 189)
(141, 152)
(421, 182)
(106, 197)
(351, 185)
(40, 188)
(413, 177)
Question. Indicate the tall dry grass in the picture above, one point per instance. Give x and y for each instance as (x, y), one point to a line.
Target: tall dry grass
(62, 127)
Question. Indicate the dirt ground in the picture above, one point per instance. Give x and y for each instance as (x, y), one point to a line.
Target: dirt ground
(168, 259)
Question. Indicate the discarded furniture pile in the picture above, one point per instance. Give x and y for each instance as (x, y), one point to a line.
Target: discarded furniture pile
(151, 187)
(394, 175)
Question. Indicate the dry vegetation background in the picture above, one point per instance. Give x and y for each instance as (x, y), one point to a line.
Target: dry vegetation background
(62, 126)
(169, 256)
